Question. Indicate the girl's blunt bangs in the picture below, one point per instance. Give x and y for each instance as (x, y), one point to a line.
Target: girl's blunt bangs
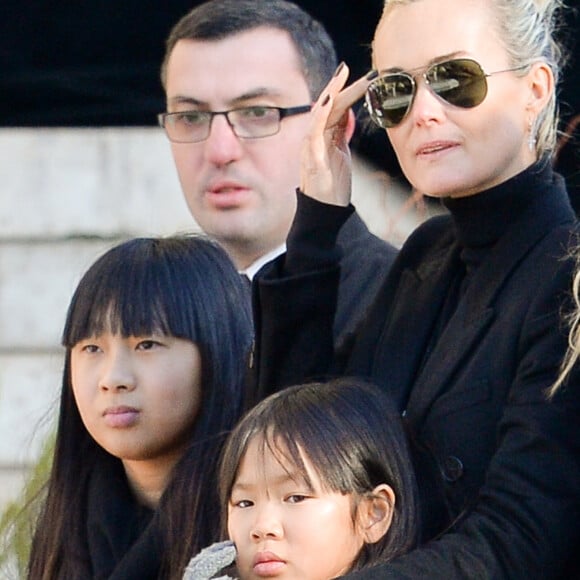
(332, 431)
(134, 290)
(308, 422)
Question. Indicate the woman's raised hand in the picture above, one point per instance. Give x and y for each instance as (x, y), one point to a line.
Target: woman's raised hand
(326, 173)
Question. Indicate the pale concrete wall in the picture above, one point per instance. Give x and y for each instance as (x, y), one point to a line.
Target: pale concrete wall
(67, 195)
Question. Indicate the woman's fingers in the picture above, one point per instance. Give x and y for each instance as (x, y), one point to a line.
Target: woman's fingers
(316, 174)
(347, 97)
(332, 89)
(326, 167)
(343, 98)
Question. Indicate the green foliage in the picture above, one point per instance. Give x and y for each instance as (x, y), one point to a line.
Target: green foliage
(18, 519)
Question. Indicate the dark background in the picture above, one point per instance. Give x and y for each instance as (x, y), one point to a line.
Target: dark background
(96, 63)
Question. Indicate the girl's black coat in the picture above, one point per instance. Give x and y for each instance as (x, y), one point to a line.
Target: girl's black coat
(122, 537)
(473, 389)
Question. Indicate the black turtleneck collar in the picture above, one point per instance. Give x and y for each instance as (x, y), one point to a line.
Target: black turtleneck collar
(481, 219)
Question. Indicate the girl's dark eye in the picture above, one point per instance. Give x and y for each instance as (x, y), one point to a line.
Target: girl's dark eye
(148, 344)
(90, 348)
(244, 503)
(296, 498)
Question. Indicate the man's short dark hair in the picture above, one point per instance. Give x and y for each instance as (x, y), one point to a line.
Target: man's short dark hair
(219, 19)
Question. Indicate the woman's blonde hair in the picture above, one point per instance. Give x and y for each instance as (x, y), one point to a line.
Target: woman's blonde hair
(573, 352)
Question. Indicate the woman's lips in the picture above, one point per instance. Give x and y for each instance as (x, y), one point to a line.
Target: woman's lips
(434, 148)
(121, 417)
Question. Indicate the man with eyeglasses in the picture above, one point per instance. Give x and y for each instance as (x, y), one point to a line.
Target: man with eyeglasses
(240, 77)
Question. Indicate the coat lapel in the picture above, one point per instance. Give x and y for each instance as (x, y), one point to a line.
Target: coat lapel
(418, 299)
(476, 311)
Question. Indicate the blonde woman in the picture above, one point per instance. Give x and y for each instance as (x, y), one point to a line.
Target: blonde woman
(466, 334)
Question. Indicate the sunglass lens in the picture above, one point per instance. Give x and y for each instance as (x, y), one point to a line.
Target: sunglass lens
(389, 98)
(460, 82)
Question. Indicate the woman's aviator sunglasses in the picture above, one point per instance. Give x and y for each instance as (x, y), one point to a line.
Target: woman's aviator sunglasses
(460, 82)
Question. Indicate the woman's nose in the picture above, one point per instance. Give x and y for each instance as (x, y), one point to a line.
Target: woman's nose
(427, 106)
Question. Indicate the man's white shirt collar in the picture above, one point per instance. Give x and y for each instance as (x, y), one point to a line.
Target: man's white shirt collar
(253, 268)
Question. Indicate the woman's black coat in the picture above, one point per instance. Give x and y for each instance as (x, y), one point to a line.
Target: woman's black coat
(473, 391)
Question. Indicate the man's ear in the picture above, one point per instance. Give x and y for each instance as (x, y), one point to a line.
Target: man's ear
(375, 513)
(350, 126)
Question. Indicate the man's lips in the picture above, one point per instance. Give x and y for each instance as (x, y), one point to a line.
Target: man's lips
(225, 186)
(267, 564)
(121, 416)
(227, 194)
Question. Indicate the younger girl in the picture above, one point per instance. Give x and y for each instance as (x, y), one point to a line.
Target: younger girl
(316, 481)
(156, 337)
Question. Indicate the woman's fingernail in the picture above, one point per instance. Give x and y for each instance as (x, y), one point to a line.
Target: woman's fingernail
(340, 67)
(372, 75)
(325, 101)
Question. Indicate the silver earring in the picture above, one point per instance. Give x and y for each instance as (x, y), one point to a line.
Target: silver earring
(531, 136)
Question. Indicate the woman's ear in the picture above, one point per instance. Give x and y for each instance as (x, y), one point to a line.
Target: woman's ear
(541, 87)
(375, 513)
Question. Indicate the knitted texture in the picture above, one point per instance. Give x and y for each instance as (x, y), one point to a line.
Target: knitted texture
(210, 561)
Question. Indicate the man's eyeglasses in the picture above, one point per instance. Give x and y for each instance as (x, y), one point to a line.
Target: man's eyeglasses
(460, 82)
(246, 122)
